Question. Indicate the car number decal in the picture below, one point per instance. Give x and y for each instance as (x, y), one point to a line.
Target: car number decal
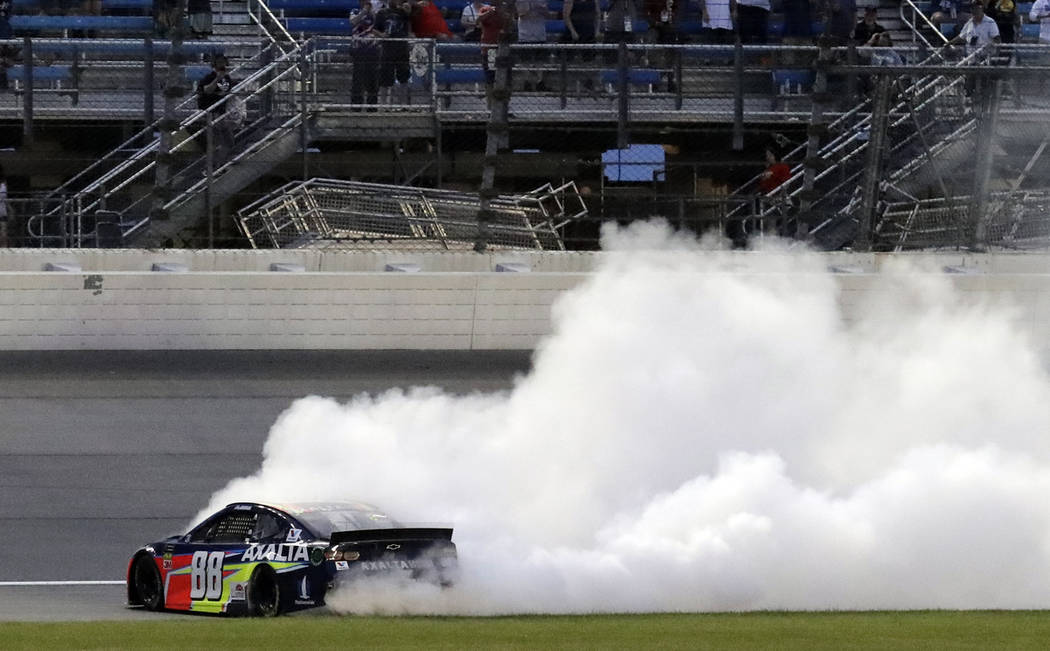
(206, 576)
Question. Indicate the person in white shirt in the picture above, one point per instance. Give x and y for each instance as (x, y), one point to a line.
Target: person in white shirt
(469, 20)
(979, 31)
(1041, 12)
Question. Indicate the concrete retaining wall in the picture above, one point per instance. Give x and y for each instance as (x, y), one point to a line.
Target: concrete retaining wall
(230, 300)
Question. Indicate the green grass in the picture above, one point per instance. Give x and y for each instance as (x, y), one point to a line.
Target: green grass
(810, 631)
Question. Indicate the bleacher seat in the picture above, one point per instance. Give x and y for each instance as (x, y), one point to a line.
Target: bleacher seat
(460, 76)
(634, 77)
(195, 73)
(307, 7)
(40, 73)
(96, 23)
(317, 25)
(107, 5)
(794, 79)
(1030, 32)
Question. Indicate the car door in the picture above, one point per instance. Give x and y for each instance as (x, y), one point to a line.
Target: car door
(202, 561)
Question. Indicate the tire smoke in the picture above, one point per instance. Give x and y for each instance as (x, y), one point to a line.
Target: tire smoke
(701, 436)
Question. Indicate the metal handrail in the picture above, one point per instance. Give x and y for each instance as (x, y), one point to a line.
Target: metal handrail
(66, 188)
(915, 28)
(196, 116)
(264, 9)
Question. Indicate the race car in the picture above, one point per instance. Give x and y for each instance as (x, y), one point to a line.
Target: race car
(265, 559)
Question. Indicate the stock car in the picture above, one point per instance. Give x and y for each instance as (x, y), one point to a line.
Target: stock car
(260, 559)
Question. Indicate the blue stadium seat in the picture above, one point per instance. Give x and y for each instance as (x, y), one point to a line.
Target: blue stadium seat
(452, 52)
(794, 78)
(634, 77)
(1024, 8)
(460, 76)
(40, 73)
(1030, 31)
(145, 5)
(306, 7)
(135, 48)
(196, 73)
(98, 23)
(453, 5)
(317, 25)
(555, 27)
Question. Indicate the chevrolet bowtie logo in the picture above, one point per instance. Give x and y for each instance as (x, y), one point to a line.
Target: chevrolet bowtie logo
(393, 547)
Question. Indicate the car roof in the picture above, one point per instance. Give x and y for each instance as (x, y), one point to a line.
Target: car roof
(299, 508)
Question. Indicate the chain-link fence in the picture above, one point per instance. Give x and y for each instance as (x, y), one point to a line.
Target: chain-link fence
(838, 146)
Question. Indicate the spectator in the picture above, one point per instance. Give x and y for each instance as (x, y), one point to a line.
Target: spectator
(427, 21)
(469, 20)
(798, 22)
(200, 18)
(211, 90)
(752, 20)
(1004, 13)
(1041, 13)
(581, 20)
(867, 28)
(5, 19)
(4, 216)
(777, 172)
(842, 19)
(392, 28)
(717, 20)
(620, 20)
(979, 31)
(884, 54)
(8, 56)
(364, 47)
(532, 28)
(947, 12)
(491, 21)
(665, 17)
(166, 17)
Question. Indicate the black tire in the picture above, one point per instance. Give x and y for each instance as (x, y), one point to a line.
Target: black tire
(146, 582)
(264, 593)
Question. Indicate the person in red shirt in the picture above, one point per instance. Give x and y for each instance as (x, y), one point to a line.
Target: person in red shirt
(776, 173)
(427, 22)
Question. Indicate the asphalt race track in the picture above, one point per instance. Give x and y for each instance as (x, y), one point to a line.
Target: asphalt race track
(101, 452)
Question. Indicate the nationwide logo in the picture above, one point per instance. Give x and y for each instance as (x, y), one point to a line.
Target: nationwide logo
(279, 552)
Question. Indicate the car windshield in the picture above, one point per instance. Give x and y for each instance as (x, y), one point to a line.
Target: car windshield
(324, 522)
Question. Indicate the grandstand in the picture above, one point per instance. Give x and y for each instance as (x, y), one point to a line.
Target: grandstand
(85, 117)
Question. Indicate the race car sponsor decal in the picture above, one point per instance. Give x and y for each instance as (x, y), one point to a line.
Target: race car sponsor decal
(374, 566)
(279, 552)
(293, 535)
(166, 564)
(342, 565)
(238, 591)
(304, 588)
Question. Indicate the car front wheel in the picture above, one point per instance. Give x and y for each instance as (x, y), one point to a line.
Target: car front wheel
(147, 583)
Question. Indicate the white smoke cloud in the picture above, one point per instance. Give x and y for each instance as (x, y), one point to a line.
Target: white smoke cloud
(702, 433)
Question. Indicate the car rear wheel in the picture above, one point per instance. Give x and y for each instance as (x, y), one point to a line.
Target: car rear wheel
(264, 595)
(146, 578)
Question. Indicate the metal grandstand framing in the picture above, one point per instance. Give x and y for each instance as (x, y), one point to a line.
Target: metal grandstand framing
(330, 213)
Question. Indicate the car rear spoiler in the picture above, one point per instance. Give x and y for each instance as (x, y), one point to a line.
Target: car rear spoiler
(400, 533)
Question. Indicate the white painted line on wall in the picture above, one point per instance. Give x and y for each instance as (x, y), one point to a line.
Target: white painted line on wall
(7, 584)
